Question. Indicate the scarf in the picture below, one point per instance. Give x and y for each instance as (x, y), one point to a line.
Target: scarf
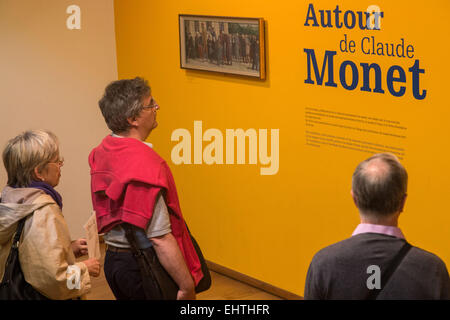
(48, 189)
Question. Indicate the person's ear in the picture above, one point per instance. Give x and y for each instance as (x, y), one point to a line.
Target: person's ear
(402, 204)
(38, 174)
(132, 121)
(353, 196)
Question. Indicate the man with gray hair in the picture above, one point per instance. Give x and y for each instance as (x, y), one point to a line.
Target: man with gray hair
(377, 262)
(132, 187)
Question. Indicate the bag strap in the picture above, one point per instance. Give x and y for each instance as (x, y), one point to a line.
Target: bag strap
(15, 245)
(19, 229)
(131, 237)
(389, 271)
(130, 233)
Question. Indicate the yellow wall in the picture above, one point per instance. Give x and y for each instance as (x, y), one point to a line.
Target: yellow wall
(270, 226)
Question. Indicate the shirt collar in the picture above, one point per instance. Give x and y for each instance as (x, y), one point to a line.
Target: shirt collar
(117, 136)
(377, 228)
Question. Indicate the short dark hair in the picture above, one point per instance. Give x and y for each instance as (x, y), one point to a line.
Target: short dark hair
(123, 100)
(379, 185)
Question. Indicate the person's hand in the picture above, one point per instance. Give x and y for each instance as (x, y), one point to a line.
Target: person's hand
(93, 266)
(186, 294)
(79, 247)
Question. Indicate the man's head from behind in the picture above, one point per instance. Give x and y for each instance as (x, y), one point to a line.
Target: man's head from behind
(379, 186)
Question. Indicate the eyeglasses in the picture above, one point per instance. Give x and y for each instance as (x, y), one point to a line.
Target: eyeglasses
(152, 104)
(59, 162)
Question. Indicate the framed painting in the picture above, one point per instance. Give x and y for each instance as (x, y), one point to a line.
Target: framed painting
(223, 44)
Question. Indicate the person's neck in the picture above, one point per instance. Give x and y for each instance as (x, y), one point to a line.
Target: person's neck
(391, 221)
(132, 133)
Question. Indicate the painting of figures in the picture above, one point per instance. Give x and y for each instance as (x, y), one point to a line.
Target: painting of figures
(223, 44)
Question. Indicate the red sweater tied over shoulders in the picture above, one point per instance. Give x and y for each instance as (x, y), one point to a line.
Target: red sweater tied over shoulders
(126, 177)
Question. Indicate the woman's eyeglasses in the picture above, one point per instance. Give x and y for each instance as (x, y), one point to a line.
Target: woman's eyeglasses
(59, 162)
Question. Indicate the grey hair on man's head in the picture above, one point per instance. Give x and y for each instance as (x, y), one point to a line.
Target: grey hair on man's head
(123, 100)
(379, 185)
(27, 151)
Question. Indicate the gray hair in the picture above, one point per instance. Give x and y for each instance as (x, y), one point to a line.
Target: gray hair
(379, 185)
(122, 100)
(30, 149)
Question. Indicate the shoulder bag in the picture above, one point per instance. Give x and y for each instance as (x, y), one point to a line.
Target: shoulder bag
(13, 285)
(157, 283)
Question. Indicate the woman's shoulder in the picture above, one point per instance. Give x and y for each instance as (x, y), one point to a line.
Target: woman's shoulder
(47, 206)
(44, 200)
(46, 220)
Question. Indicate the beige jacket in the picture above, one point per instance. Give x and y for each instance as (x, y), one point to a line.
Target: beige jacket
(45, 251)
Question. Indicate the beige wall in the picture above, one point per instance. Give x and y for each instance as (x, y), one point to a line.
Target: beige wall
(52, 78)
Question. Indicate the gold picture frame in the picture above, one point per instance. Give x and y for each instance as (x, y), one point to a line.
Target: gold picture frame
(223, 44)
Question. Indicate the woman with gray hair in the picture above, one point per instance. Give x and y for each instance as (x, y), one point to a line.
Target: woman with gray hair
(46, 252)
